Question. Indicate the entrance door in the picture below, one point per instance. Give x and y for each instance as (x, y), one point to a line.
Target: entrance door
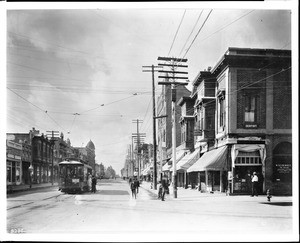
(243, 177)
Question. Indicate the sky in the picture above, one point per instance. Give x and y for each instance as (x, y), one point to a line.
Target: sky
(78, 69)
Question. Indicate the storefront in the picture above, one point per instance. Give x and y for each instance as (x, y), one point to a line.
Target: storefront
(246, 159)
(13, 163)
(186, 162)
(211, 167)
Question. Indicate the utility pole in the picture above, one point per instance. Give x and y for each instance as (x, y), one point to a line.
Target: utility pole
(154, 125)
(138, 135)
(160, 148)
(173, 64)
(52, 142)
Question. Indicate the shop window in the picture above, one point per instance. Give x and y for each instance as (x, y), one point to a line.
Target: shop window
(247, 158)
(9, 171)
(18, 174)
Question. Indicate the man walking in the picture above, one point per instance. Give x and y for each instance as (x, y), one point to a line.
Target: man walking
(133, 189)
(137, 185)
(254, 185)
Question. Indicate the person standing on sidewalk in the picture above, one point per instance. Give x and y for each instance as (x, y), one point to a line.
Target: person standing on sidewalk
(165, 188)
(94, 183)
(137, 185)
(133, 189)
(254, 185)
(89, 182)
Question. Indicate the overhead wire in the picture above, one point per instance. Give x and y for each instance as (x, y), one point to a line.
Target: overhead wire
(244, 15)
(197, 33)
(247, 86)
(191, 33)
(177, 32)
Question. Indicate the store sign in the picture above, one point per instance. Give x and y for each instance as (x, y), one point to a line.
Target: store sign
(250, 125)
(283, 168)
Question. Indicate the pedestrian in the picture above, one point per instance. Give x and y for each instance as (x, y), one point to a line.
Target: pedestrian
(133, 189)
(254, 184)
(94, 183)
(137, 185)
(159, 190)
(89, 182)
(165, 188)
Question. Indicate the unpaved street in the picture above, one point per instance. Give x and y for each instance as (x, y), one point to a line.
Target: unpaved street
(112, 211)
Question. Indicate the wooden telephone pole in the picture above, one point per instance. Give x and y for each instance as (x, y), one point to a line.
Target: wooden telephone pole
(138, 135)
(154, 125)
(173, 64)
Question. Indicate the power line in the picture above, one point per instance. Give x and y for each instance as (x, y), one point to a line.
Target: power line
(45, 111)
(25, 99)
(49, 43)
(197, 33)
(176, 32)
(191, 33)
(109, 103)
(247, 86)
(228, 24)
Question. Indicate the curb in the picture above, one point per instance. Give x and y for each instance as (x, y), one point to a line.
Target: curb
(14, 190)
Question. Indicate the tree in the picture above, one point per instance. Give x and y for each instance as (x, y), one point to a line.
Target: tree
(110, 172)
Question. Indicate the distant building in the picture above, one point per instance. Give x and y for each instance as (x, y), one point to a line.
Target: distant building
(164, 125)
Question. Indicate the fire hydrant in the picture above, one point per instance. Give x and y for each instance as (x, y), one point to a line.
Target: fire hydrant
(269, 195)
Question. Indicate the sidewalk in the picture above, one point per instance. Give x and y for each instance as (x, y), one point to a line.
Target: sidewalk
(20, 188)
(193, 194)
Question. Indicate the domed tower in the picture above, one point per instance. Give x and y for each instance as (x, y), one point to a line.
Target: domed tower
(90, 147)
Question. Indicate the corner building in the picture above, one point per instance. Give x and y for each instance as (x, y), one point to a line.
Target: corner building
(253, 118)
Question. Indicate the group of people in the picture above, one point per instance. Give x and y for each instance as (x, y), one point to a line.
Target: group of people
(163, 189)
(92, 182)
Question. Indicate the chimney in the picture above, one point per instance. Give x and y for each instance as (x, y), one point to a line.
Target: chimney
(209, 68)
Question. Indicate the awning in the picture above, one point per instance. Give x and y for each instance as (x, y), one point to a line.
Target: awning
(166, 167)
(248, 148)
(188, 160)
(212, 160)
(169, 165)
(179, 155)
(146, 171)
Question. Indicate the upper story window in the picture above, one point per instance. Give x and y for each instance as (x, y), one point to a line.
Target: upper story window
(201, 118)
(250, 108)
(222, 110)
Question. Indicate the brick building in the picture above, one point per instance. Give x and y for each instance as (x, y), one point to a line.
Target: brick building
(252, 123)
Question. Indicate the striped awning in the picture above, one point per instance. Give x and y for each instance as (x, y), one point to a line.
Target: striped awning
(212, 160)
(188, 160)
(179, 156)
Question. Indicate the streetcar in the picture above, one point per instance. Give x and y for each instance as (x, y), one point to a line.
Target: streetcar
(73, 176)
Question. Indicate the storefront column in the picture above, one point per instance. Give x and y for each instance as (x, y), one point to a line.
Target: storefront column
(206, 180)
